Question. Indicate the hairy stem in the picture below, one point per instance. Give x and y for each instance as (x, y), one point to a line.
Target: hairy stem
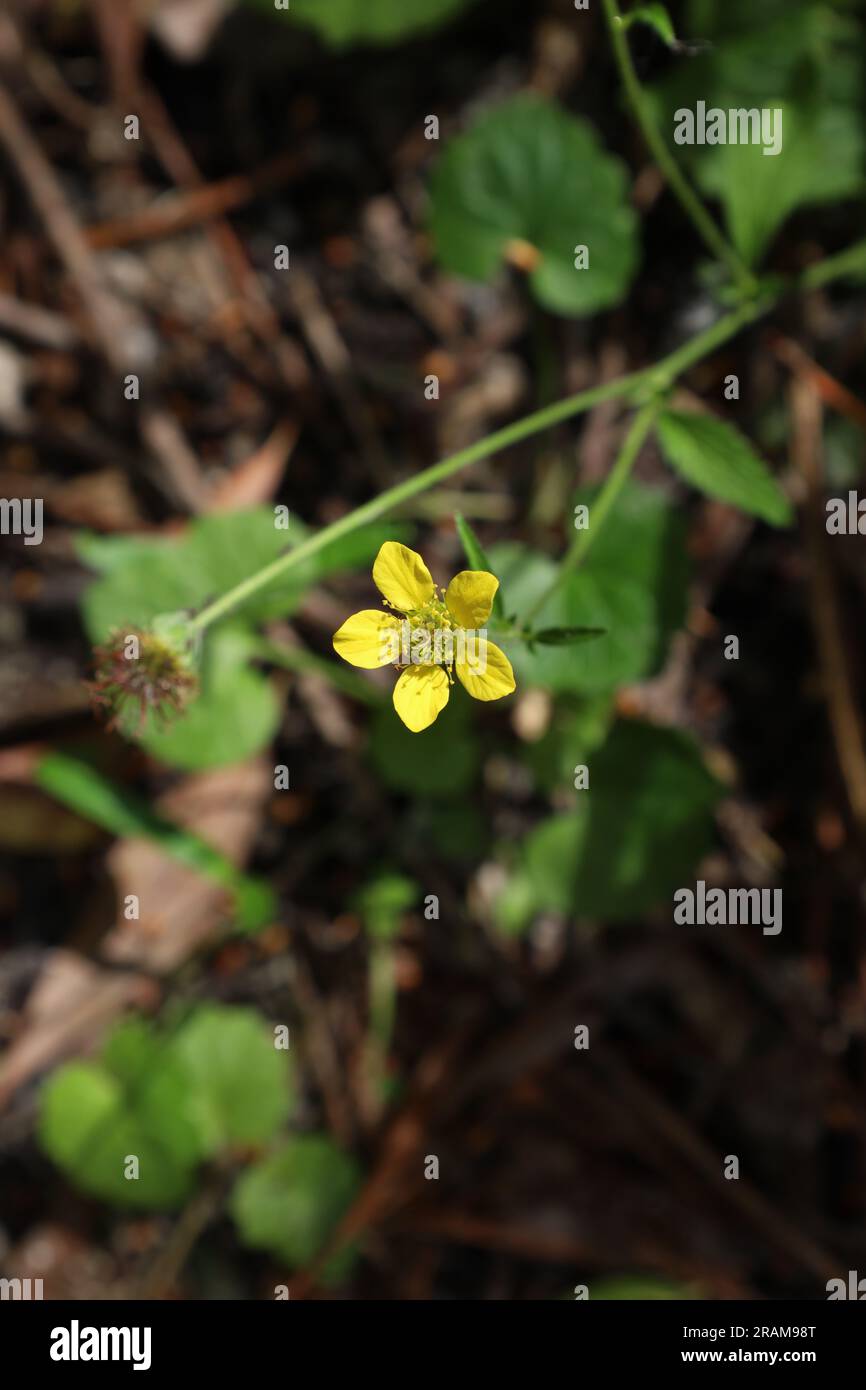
(678, 183)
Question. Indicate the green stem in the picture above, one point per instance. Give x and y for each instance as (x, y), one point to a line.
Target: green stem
(679, 185)
(612, 487)
(661, 373)
(850, 261)
(634, 385)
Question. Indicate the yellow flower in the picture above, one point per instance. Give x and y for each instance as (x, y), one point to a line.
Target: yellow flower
(437, 634)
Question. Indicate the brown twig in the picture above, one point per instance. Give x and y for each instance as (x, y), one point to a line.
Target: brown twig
(806, 448)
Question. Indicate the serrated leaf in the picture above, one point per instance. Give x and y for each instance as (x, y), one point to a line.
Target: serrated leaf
(715, 458)
(821, 161)
(344, 22)
(81, 787)
(632, 583)
(656, 17)
(290, 1202)
(529, 178)
(477, 559)
(637, 833)
(240, 1082)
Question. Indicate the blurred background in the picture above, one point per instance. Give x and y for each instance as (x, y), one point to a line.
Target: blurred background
(394, 1016)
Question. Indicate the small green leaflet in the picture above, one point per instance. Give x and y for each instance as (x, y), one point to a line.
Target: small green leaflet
(718, 460)
(657, 18)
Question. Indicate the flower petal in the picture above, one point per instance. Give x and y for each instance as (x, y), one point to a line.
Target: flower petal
(497, 678)
(419, 695)
(470, 596)
(366, 639)
(401, 577)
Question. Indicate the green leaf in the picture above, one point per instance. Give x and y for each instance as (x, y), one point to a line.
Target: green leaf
(638, 831)
(821, 161)
(655, 17)
(169, 1099)
(441, 761)
(290, 1202)
(528, 172)
(94, 1116)
(565, 636)
(718, 460)
(575, 732)
(235, 713)
(383, 901)
(344, 22)
(82, 788)
(632, 583)
(240, 1082)
(477, 559)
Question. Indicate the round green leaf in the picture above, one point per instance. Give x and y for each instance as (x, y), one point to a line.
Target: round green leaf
(290, 1202)
(92, 1119)
(240, 1081)
(530, 173)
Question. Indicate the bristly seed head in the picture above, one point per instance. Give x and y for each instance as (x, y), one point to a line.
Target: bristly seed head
(154, 669)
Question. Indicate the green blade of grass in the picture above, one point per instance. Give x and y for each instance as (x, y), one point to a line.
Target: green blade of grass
(86, 791)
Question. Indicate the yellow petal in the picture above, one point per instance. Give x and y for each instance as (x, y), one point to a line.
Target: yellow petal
(470, 596)
(369, 639)
(401, 577)
(419, 695)
(497, 678)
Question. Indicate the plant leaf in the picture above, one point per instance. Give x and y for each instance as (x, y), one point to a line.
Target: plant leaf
(440, 762)
(718, 460)
(657, 18)
(135, 1102)
(344, 22)
(566, 636)
(290, 1201)
(637, 832)
(530, 176)
(758, 191)
(240, 1081)
(632, 583)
